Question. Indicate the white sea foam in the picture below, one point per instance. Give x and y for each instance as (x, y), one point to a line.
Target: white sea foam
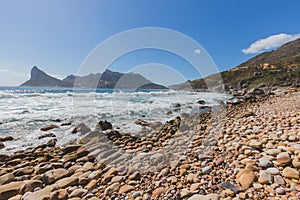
(23, 113)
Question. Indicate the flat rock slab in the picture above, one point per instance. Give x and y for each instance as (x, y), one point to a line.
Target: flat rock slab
(9, 190)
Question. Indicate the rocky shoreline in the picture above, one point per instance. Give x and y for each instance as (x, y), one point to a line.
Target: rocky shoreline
(249, 150)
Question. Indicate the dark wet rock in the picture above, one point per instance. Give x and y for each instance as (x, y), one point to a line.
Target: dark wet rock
(2, 145)
(201, 102)
(52, 142)
(47, 128)
(177, 105)
(142, 122)
(70, 148)
(7, 138)
(104, 125)
(3, 157)
(66, 124)
(113, 134)
(47, 135)
(56, 120)
(25, 112)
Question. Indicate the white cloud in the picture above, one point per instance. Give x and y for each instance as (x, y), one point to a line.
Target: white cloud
(197, 51)
(270, 42)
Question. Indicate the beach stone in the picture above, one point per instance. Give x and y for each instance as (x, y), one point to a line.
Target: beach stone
(194, 187)
(296, 163)
(283, 159)
(117, 179)
(78, 193)
(191, 177)
(289, 172)
(219, 161)
(206, 170)
(246, 176)
(273, 152)
(255, 144)
(11, 189)
(47, 135)
(39, 194)
(30, 185)
(184, 193)
(54, 175)
(24, 171)
(280, 191)
(7, 138)
(265, 162)
(206, 197)
(273, 170)
(62, 194)
(157, 192)
(111, 189)
(66, 182)
(125, 189)
(47, 128)
(91, 185)
(279, 180)
(265, 177)
(6, 178)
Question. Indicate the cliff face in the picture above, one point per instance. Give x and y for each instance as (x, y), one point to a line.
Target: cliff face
(107, 79)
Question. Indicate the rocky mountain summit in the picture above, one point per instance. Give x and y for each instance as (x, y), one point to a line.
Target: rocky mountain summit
(107, 79)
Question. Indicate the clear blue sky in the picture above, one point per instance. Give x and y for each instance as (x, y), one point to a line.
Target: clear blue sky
(57, 35)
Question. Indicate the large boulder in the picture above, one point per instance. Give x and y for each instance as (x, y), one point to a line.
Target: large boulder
(103, 125)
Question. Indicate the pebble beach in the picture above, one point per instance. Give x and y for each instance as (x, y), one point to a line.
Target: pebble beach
(254, 155)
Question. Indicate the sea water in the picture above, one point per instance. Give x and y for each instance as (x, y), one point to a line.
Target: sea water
(24, 111)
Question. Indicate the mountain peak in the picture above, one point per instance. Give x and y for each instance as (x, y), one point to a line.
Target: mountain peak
(39, 78)
(34, 68)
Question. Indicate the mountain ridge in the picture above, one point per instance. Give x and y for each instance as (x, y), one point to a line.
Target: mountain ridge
(280, 67)
(107, 79)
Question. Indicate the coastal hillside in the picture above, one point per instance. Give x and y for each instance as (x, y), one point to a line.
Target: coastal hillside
(107, 79)
(279, 67)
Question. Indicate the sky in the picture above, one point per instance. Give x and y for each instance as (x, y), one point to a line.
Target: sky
(59, 35)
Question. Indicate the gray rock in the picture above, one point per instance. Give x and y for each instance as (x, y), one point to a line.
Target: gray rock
(265, 162)
(206, 170)
(280, 191)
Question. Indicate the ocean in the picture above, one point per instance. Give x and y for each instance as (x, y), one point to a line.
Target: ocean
(24, 111)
